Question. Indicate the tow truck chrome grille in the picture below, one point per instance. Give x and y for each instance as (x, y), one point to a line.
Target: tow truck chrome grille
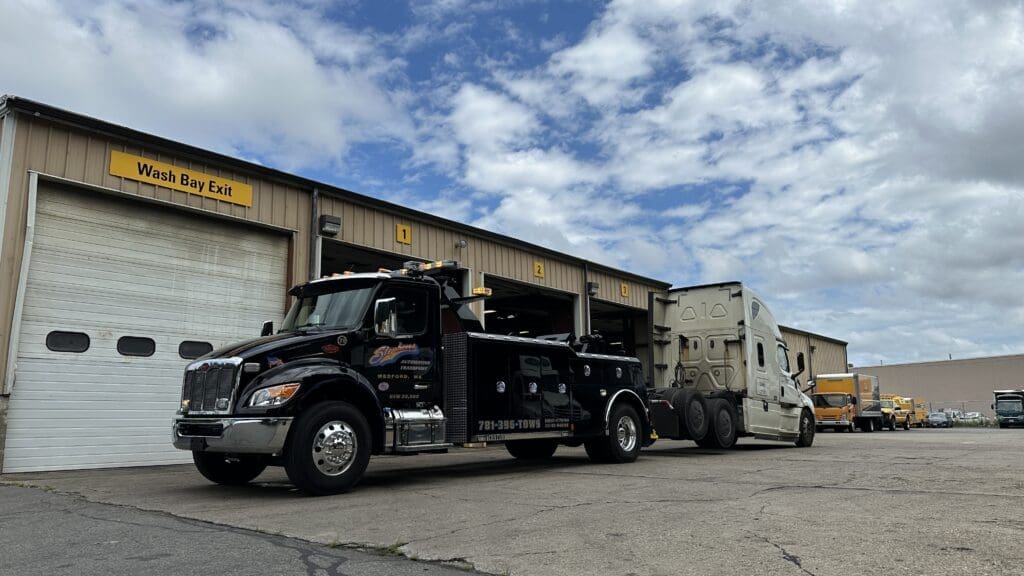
(209, 386)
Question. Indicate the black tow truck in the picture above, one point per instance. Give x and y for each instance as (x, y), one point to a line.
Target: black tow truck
(395, 362)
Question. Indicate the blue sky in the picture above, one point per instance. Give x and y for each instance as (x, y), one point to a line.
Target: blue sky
(857, 163)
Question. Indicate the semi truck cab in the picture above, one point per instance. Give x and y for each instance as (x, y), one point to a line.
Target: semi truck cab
(724, 370)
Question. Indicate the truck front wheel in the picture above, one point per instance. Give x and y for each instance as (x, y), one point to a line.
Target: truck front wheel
(622, 444)
(228, 469)
(329, 449)
(806, 437)
(531, 449)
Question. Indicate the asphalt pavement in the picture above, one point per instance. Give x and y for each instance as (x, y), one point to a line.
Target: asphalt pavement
(921, 502)
(44, 533)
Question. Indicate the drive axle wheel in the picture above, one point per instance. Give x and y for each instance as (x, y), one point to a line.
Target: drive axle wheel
(692, 408)
(806, 437)
(329, 449)
(531, 449)
(228, 469)
(622, 444)
(722, 426)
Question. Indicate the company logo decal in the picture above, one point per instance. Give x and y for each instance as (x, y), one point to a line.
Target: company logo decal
(390, 354)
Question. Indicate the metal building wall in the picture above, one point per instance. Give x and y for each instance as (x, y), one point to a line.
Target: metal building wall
(829, 355)
(374, 228)
(611, 286)
(78, 155)
(954, 384)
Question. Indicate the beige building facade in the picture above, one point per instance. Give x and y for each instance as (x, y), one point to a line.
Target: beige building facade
(822, 355)
(962, 384)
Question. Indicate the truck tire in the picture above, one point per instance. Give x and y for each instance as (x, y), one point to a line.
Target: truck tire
(228, 469)
(806, 437)
(693, 412)
(906, 424)
(852, 427)
(531, 449)
(329, 449)
(721, 426)
(622, 445)
(867, 425)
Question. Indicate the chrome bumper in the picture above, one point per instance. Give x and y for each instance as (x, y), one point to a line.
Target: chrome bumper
(832, 423)
(243, 435)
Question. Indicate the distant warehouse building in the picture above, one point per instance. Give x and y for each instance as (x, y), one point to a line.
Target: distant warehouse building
(124, 255)
(965, 384)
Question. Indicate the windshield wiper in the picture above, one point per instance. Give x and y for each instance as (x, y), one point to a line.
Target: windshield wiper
(309, 327)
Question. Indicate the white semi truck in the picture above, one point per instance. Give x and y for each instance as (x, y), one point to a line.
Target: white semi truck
(722, 371)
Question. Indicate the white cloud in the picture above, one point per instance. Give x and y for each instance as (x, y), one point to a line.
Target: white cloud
(237, 79)
(858, 164)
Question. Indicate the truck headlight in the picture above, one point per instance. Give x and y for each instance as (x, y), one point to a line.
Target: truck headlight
(274, 396)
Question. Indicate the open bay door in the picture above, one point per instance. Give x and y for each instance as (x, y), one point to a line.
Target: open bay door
(120, 296)
(521, 309)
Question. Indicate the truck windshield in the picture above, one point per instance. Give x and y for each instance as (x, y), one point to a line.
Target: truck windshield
(335, 310)
(830, 400)
(887, 404)
(1012, 406)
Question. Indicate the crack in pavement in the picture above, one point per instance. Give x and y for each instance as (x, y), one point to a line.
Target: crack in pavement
(884, 490)
(791, 558)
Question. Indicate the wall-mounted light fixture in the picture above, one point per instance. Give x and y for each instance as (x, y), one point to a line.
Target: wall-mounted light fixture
(592, 288)
(329, 225)
(460, 244)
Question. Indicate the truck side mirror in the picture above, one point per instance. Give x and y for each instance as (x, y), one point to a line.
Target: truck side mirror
(853, 399)
(800, 362)
(385, 317)
(268, 328)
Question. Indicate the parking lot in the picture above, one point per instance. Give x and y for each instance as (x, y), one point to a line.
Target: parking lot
(904, 502)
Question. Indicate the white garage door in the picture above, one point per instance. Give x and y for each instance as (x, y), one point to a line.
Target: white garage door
(114, 289)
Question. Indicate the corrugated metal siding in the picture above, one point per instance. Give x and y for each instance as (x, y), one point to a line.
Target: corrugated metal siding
(80, 156)
(829, 357)
(610, 286)
(373, 228)
(14, 237)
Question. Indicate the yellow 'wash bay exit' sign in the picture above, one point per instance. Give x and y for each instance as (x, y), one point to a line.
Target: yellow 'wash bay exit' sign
(177, 178)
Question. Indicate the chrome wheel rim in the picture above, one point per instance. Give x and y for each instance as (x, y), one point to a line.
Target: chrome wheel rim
(626, 432)
(334, 448)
